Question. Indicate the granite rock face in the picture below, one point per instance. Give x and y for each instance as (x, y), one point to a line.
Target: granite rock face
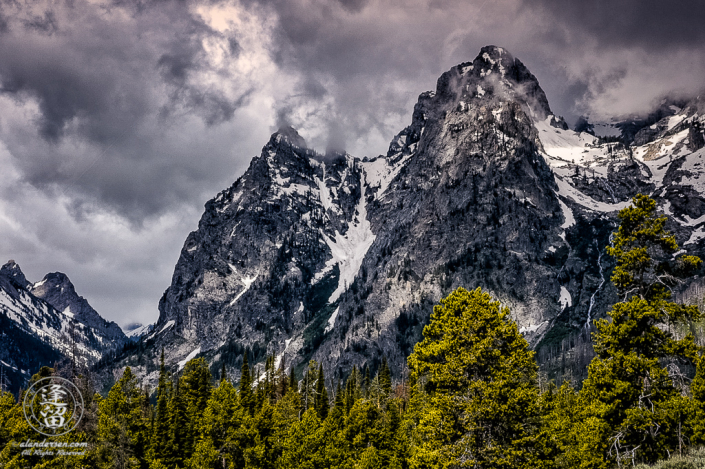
(338, 259)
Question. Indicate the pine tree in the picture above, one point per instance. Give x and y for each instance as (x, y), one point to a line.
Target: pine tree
(282, 380)
(303, 442)
(178, 428)
(480, 380)
(351, 390)
(247, 398)
(196, 389)
(7, 402)
(219, 441)
(309, 384)
(385, 377)
(697, 418)
(628, 390)
(322, 404)
(160, 432)
(293, 383)
(121, 425)
(265, 449)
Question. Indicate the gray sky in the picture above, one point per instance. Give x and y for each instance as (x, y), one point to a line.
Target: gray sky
(120, 119)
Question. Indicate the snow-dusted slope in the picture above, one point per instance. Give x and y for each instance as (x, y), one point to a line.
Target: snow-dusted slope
(79, 333)
(138, 332)
(665, 160)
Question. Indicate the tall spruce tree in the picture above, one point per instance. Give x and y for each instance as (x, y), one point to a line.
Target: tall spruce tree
(7, 402)
(632, 399)
(178, 428)
(352, 389)
(247, 397)
(196, 388)
(322, 403)
(385, 377)
(160, 432)
(479, 377)
(121, 425)
(697, 418)
(309, 385)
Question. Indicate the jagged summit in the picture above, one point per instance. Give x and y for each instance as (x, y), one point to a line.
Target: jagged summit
(12, 271)
(288, 134)
(57, 289)
(493, 73)
(46, 322)
(50, 282)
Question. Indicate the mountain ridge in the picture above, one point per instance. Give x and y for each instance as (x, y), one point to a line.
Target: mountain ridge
(47, 322)
(341, 259)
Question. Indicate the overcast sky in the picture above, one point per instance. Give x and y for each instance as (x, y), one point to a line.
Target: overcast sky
(119, 120)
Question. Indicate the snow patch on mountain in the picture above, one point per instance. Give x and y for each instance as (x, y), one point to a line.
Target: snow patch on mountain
(168, 324)
(50, 325)
(567, 215)
(247, 283)
(566, 190)
(331, 320)
(694, 166)
(324, 193)
(190, 356)
(349, 250)
(140, 331)
(380, 173)
(566, 299)
(567, 146)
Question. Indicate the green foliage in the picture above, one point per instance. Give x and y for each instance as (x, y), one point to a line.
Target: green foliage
(7, 402)
(644, 252)
(160, 422)
(697, 417)
(478, 378)
(122, 425)
(633, 403)
(322, 403)
(473, 397)
(247, 398)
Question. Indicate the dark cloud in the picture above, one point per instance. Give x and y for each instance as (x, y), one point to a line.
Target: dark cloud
(109, 84)
(46, 24)
(382, 54)
(652, 24)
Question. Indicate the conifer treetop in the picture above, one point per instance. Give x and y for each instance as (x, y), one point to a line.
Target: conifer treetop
(645, 253)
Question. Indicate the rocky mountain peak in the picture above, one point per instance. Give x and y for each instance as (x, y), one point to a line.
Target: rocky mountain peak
(493, 76)
(53, 286)
(341, 260)
(288, 135)
(12, 271)
(57, 290)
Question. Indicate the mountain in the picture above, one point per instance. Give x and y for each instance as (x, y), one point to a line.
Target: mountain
(135, 331)
(46, 322)
(338, 259)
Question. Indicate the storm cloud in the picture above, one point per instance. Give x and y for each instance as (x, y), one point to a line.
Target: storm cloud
(119, 119)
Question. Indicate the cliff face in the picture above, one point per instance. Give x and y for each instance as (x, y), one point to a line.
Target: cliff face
(341, 260)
